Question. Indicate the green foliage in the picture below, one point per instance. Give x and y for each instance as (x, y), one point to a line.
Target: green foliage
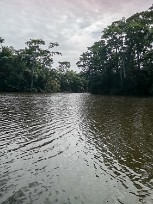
(122, 61)
(70, 81)
(30, 69)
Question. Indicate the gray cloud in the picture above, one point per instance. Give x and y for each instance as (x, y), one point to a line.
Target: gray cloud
(74, 24)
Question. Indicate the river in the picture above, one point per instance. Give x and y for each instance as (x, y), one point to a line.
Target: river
(75, 149)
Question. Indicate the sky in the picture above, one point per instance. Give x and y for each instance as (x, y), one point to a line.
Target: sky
(74, 24)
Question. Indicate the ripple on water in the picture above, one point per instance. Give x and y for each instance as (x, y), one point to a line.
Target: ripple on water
(75, 148)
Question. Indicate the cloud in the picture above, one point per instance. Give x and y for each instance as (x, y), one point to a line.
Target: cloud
(74, 24)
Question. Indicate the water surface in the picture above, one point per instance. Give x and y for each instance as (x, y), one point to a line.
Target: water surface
(75, 148)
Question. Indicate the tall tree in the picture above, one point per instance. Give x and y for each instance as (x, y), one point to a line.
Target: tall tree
(116, 63)
(37, 57)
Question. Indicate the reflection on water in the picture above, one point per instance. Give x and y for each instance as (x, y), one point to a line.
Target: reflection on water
(75, 148)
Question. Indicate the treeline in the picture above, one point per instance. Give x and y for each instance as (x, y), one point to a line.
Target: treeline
(31, 70)
(122, 61)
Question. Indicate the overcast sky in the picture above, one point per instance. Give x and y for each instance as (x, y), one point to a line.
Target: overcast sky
(74, 24)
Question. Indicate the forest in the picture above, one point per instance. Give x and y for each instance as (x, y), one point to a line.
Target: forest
(30, 70)
(120, 63)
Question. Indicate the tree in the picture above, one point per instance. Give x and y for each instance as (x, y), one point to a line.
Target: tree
(114, 64)
(38, 58)
(1, 42)
(64, 66)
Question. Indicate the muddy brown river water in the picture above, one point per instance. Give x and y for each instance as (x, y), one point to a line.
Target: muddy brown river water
(75, 149)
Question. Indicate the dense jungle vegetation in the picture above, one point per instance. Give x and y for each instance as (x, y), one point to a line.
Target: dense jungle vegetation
(30, 70)
(120, 63)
